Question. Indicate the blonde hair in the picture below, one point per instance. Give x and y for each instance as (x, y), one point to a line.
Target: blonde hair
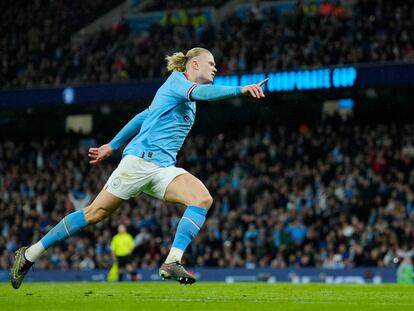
(178, 60)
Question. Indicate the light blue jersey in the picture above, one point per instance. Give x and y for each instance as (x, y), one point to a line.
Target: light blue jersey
(164, 126)
(168, 121)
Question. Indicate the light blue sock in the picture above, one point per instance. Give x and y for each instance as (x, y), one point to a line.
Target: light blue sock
(189, 225)
(67, 227)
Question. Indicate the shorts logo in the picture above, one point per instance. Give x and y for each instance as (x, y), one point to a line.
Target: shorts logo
(116, 182)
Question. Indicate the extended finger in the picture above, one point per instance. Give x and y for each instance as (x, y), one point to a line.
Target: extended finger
(251, 90)
(263, 82)
(256, 91)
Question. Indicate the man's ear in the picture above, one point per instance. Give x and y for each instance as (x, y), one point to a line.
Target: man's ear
(194, 64)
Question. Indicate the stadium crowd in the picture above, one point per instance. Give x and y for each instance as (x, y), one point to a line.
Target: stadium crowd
(370, 31)
(334, 195)
(32, 35)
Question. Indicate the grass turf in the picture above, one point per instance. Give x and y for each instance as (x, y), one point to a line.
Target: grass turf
(204, 296)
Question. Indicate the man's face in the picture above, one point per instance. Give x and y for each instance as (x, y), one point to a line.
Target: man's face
(205, 66)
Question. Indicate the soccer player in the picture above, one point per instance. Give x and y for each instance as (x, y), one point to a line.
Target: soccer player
(148, 163)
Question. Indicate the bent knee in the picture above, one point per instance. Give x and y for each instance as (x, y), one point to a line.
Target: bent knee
(205, 201)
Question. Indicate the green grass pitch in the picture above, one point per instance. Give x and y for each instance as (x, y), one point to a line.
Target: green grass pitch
(204, 296)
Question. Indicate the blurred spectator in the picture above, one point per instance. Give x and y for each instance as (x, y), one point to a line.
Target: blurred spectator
(326, 8)
(338, 9)
(309, 8)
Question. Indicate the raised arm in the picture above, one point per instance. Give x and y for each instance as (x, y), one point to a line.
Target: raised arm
(218, 92)
(97, 155)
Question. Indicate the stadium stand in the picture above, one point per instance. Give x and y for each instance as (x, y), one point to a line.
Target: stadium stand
(32, 36)
(337, 194)
(261, 40)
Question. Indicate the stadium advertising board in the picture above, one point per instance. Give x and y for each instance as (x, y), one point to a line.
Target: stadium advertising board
(303, 275)
(280, 81)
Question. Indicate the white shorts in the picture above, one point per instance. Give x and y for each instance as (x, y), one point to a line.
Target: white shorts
(135, 175)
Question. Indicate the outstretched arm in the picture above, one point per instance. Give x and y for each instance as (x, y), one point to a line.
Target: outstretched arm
(219, 92)
(130, 129)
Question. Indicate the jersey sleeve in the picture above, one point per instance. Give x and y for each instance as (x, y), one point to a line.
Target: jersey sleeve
(210, 92)
(180, 87)
(129, 130)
